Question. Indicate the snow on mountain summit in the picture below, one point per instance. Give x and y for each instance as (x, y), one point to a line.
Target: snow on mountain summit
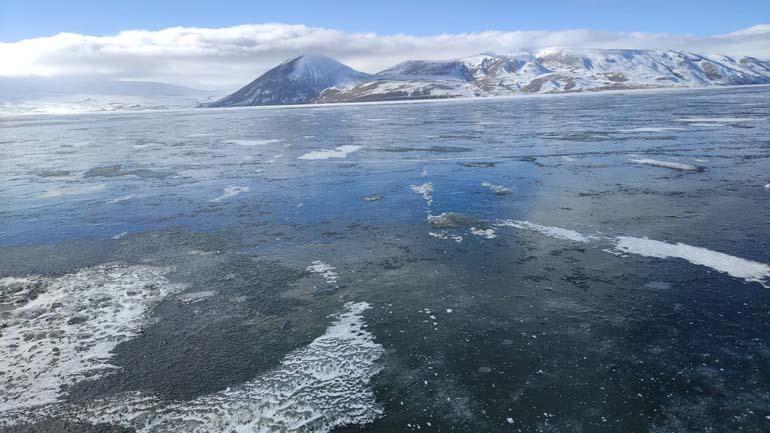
(295, 81)
(315, 78)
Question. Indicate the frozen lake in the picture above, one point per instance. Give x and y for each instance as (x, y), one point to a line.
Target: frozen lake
(578, 263)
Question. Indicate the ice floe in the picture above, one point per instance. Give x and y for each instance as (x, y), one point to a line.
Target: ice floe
(338, 152)
(328, 272)
(65, 334)
(553, 232)
(231, 191)
(746, 270)
(315, 389)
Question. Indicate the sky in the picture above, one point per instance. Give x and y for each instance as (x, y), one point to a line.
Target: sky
(222, 44)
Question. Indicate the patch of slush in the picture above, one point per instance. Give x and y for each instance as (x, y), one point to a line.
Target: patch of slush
(484, 233)
(425, 191)
(328, 272)
(497, 189)
(253, 142)
(338, 152)
(66, 333)
(231, 191)
(667, 164)
(553, 232)
(315, 389)
(746, 270)
(73, 190)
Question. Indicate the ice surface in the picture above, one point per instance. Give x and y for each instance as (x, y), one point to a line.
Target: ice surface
(484, 233)
(73, 190)
(66, 334)
(253, 142)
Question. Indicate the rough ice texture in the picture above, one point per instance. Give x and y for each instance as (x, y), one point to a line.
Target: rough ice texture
(62, 330)
(667, 164)
(328, 272)
(339, 152)
(734, 266)
(554, 232)
(315, 389)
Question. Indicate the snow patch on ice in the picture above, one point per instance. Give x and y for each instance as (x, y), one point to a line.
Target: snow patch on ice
(67, 333)
(425, 191)
(121, 199)
(231, 191)
(328, 272)
(667, 164)
(746, 270)
(315, 389)
(484, 233)
(553, 232)
(497, 189)
(338, 152)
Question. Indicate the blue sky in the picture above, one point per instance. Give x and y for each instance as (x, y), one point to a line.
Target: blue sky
(20, 19)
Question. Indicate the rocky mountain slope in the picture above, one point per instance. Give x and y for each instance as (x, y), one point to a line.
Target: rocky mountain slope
(318, 79)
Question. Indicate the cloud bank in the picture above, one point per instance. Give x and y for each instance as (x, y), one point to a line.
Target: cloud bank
(226, 58)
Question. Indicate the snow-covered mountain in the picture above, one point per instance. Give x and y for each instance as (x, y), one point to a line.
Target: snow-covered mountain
(295, 81)
(317, 79)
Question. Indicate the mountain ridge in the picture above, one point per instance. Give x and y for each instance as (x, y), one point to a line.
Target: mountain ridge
(319, 79)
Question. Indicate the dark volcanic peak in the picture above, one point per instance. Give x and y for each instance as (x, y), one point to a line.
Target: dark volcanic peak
(296, 81)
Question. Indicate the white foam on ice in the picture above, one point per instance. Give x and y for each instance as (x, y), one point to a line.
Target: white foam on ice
(73, 190)
(553, 232)
(666, 164)
(253, 142)
(315, 389)
(737, 267)
(66, 334)
(328, 272)
(484, 233)
(338, 152)
(231, 191)
(425, 191)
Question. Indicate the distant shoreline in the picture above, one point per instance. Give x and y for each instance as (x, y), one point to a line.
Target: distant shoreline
(5, 116)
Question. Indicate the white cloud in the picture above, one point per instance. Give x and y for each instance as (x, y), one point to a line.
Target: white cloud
(230, 57)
